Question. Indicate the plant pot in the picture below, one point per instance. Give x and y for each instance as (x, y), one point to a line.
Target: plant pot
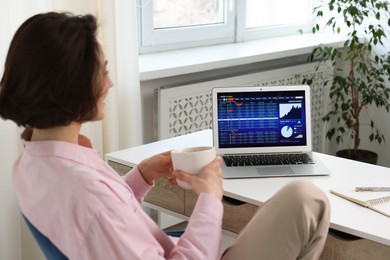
(362, 156)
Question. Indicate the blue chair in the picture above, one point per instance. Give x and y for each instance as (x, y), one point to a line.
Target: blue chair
(48, 248)
(174, 233)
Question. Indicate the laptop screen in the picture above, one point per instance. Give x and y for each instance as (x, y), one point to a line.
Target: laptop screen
(261, 119)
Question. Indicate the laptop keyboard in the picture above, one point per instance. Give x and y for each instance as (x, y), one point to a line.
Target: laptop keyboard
(267, 159)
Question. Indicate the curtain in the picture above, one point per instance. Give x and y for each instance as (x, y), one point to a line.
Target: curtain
(121, 127)
(122, 123)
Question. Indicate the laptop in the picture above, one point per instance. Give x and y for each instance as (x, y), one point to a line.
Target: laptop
(264, 132)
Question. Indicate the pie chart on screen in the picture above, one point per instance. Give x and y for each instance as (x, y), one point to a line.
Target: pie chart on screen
(287, 131)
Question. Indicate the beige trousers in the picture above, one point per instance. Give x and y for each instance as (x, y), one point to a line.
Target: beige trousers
(293, 224)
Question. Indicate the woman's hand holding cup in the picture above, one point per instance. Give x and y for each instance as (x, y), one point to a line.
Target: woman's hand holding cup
(198, 168)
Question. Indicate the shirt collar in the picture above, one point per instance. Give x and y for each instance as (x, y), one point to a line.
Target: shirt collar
(69, 151)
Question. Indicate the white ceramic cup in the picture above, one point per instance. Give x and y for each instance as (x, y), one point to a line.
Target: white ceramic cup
(191, 160)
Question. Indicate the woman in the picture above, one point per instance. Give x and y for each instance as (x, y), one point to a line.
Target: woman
(54, 80)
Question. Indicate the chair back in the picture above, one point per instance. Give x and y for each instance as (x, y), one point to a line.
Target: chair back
(48, 248)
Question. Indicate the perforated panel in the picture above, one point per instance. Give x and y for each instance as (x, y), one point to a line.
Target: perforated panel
(186, 109)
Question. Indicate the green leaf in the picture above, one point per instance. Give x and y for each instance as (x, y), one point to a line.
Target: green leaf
(352, 10)
(344, 107)
(330, 133)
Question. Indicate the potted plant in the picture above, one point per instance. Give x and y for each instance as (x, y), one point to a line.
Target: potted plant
(364, 81)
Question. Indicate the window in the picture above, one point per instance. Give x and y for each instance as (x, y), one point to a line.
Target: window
(168, 14)
(169, 24)
(172, 24)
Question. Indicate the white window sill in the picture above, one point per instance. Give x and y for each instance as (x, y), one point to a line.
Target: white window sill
(179, 62)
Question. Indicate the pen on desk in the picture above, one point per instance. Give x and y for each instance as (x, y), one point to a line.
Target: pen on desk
(372, 189)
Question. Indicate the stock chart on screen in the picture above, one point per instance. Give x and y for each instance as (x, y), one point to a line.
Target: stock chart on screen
(252, 119)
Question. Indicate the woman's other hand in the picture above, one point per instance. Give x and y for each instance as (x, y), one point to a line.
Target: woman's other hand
(157, 166)
(209, 179)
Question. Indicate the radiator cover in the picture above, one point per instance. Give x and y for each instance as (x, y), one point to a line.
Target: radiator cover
(188, 108)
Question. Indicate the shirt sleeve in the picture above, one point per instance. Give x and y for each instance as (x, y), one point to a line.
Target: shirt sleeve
(137, 183)
(120, 233)
(202, 237)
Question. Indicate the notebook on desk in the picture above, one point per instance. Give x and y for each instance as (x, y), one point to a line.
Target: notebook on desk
(264, 132)
(378, 201)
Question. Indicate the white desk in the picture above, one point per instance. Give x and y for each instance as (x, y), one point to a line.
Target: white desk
(345, 216)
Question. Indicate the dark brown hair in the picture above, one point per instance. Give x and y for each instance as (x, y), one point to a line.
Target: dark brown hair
(50, 71)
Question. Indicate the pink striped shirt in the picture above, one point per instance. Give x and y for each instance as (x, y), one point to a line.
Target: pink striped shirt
(89, 212)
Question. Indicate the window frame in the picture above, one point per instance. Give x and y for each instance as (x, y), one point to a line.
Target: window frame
(159, 40)
(243, 34)
(231, 31)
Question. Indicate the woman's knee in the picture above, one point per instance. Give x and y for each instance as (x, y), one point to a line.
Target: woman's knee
(304, 193)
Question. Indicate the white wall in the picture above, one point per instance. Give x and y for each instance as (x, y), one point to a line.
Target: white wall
(10, 235)
(382, 119)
